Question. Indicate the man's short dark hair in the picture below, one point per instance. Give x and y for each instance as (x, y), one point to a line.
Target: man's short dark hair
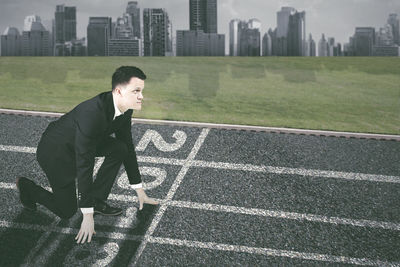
(124, 74)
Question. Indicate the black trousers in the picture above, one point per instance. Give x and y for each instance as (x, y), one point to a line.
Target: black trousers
(63, 201)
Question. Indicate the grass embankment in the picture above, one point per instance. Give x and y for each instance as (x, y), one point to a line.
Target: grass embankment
(341, 94)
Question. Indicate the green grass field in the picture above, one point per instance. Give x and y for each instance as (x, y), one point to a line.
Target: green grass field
(341, 94)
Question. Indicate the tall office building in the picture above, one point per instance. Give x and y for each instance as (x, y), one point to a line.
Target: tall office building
(203, 15)
(385, 42)
(311, 49)
(267, 45)
(250, 38)
(348, 48)
(64, 29)
(283, 21)
(394, 22)
(296, 35)
(124, 47)
(274, 41)
(123, 42)
(134, 11)
(98, 35)
(198, 43)
(123, 28)
(35, 38)
(283, 17)
(234, 37)
(384, 37)
(330, 46)
(323, 47)
(156, 35)
(65, 23)
(245, 38)
(202, 39)
(11, 42)
(364, 40)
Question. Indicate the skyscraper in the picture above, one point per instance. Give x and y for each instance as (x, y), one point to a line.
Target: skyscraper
(364, 40)
(35, 38)
(134, 11)
(98, 35)
(65, 24)
(203, 15)
(234, 37)
(11, 42)
(322, 47)
(198, 43)
(311, 49)
(331, 46)
(245, 38)
(64, 29)
(123, 28)
(156, 35)
(283, 17)
(384, 36)
(267, 45)
(394, 22)
(123, 43)
(202, 39)
(297, 34)
(274, 41)
(385, 44)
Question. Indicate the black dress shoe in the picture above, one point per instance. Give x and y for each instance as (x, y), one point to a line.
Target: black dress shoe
(104, 209)
(23, 185)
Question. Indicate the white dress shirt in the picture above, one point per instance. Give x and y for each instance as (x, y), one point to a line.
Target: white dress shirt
(134, 186)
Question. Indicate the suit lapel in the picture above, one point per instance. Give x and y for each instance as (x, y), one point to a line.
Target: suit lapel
(109, 104)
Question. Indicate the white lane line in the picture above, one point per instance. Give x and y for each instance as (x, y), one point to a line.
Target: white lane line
(205, 245)
(254, 211)
(23, 149)
(247, 167)
(271, 252)
(286, 215)
(228, 166)
(65, 230)
(334, 174)
(159, 160)
(170, 195)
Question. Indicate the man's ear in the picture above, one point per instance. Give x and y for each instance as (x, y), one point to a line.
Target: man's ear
(118, 90)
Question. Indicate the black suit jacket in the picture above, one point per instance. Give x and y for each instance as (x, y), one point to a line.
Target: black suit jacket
(76, 135)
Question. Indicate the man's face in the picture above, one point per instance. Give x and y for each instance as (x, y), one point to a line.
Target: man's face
(131, 96)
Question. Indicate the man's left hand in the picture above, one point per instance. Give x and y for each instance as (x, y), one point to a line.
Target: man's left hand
(143, 198)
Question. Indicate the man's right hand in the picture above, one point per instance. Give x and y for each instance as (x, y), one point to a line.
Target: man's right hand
(87, 229)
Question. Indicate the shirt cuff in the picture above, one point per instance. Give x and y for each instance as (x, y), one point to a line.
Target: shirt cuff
(136, 186)
(87, 210)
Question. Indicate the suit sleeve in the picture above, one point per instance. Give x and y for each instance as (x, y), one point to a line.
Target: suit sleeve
(130, 162)
(88, 127)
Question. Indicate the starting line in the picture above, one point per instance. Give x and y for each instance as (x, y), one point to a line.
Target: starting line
(245, 167)
(252, 211)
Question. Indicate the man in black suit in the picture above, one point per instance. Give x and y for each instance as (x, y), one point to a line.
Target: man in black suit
(68, 147)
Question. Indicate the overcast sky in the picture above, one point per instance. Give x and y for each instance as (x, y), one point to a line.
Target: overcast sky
(335, 18)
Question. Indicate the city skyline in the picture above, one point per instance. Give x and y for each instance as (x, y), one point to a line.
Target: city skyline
(321, 15)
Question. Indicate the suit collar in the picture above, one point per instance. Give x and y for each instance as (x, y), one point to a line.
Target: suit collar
(107, 98)
(109, 105)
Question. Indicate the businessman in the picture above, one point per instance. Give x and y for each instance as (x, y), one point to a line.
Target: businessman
(69, 145)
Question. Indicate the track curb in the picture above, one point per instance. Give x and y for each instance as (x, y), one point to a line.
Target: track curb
(229, 126)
